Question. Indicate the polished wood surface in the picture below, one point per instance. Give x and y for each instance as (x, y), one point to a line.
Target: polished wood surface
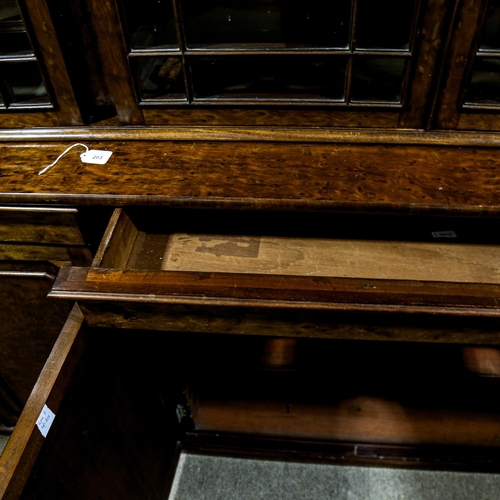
(255, 321)
(464, 41)
(305, 176)
(39, 225)
(303, 292)
(30, 323)
(113, 59)
(106, 131)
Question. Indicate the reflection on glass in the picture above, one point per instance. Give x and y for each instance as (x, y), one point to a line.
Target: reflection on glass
(286, 23)
(269, 77)
(150, 23)
(377, 79)
(485, 83)
(9, 11)
(24, 83)
(385, 24)
(160, 77)
(14, 43)
(490, 37)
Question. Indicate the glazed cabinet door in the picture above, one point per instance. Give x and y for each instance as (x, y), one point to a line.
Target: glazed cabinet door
(267, 62)
(35, 89)
(470, 97)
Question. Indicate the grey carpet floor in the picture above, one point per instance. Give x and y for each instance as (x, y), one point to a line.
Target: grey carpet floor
(213, 478)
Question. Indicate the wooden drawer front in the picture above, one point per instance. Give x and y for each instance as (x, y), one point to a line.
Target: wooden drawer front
(50, 253)
(57, 226)
(305, 261)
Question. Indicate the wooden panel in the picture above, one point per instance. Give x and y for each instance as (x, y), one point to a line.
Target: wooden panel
(333, 258)
(305, 176)
(29, 119)
(478, 121)
(287, 323)
(293, 292)
(271, 118)
(117, 242)
(483, 361)
(10, 251)
(459, 59)
(30, 323)
(56, 226)
(108, 30)
(432, 36)
(109, 131)
(359, 419)
(26, 441)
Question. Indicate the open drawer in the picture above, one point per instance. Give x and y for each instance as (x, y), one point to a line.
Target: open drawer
(304, 274)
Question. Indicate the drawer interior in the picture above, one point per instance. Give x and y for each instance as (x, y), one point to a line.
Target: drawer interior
(462, 250)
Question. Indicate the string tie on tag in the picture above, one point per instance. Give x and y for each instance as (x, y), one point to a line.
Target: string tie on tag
(48, 167)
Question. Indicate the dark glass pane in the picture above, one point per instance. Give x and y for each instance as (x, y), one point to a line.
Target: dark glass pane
(285, 23)
(490, 37)
(385, 24)
(9, 11)
(24, 83)
(160, 77)
(270, 77)
(150, 23)
(377, 79)
(485, 83)
(14, 43)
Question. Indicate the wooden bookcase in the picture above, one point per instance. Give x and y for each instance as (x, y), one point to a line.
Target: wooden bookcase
(278, 172)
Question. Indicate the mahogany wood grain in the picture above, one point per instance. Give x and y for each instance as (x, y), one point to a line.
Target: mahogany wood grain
(52, 226)
(50, 253)
(432, 34)
(108, 131)
(271, 117)
(478, 121)
(360, 419)
(484, 361)
(28, 119)
(26, 441)
(268, 291)
(464, 41)
(117, 242)
(30, 323)
(253, 321)
(299, 176)
(117, 75)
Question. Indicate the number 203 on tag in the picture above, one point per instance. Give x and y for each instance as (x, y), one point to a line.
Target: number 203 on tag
(96, 156)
